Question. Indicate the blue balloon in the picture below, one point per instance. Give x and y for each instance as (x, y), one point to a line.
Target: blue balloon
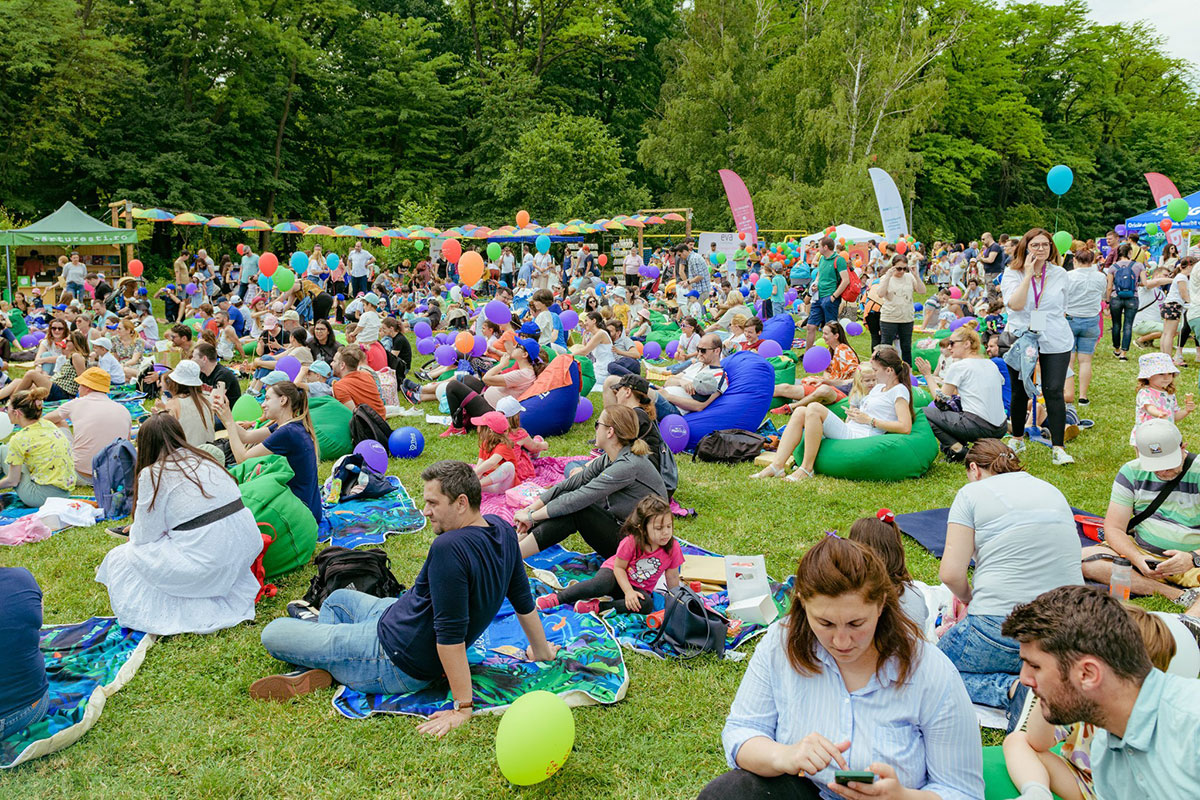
(712, 257)
(745, 292)
(543, 243)
(266, 282)
(299, 262)
(1059, 179)
(763, 288)
(331, 260)
(406, 442)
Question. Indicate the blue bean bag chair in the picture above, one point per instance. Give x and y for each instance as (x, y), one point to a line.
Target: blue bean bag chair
(780, 329)
(551, 401)
(745, 401)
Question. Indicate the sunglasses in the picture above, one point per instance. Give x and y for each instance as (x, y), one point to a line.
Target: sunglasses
(706, 349)
(599, 423)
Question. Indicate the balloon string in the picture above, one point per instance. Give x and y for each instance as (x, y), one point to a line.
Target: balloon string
(1057, 203)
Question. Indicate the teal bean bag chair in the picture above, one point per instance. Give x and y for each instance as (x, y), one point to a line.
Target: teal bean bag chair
(331, 421)
(263, 484)
(785, 372)
(891, 457)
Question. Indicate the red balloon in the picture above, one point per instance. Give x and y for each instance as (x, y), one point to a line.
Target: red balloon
(387, 241)
(901, 247)
(268, 263)
(241, 248)
(742, 235)
(452, 250)
(603, 259)
(135, 268)
(1165, 225)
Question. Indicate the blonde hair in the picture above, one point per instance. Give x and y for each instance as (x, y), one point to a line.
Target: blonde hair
(624, 423)
(1160, 644)
(857, 390)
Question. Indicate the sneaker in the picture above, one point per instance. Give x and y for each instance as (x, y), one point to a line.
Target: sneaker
(1061, 457)
(1083, 401)
(119, 532)
(303, 611)
(1086, 423)
(1188, 598)
(1070, 432)
(587, 607)
(411, 391)
(1017, 446)
(291, 684)
(1020, 706)
(547, 602)
(452, 431)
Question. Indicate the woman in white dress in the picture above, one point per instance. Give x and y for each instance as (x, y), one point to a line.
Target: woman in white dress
(186, 566)
(597, 344)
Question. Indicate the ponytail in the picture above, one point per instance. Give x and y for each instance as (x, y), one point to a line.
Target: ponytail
(994, 456)
(625, 425)
(639, 447)
(886, 355)
(29, 402)
(298, 402)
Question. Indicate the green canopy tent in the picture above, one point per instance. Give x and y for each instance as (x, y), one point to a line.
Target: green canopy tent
(67, 227)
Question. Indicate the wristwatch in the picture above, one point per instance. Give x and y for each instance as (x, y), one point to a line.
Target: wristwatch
(1196, 559)
(464, 706)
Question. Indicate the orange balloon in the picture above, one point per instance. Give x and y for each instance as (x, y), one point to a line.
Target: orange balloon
(268, 263)
(522, 218)
(1165, 225)
(452, 251)
(470, 269)
(901, 247)
(464, 342)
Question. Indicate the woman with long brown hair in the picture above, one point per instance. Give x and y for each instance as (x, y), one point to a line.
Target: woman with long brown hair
(1034, 288)
(188, 403)
(186, 566)
(847, 683)
(62, 385)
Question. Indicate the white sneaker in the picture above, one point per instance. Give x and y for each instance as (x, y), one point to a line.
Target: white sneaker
(1016, 445)
(1061, 457)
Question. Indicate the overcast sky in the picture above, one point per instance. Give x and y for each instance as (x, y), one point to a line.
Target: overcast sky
(1177, 20)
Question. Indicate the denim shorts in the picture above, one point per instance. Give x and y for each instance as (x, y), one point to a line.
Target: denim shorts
(824, 309)
(1086, 331)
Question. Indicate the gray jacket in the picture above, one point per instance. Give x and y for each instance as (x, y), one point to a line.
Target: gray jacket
(616, 486)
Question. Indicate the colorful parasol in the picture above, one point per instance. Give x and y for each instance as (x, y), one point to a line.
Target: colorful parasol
(290, 227)
(224, 222)
(319, 230)
(255, 225)
(673, 217)
(188, 218)
(153, 214)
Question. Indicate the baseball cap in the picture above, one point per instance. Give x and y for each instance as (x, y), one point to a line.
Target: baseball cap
(290, 316)
(635, 382)
(270, 322)
(705, 383)
(372, 298)
(102, 341)
(1159, 445)
(492, 419)
(321, 368)
(693, 293)
(509, 406)
(532, 348)
(95, 378)
(531, 330)
(273, 377)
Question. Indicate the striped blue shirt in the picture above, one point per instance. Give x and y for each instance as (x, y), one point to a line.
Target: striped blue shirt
(925, 729)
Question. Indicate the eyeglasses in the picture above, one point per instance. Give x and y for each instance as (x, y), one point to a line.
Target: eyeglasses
(599, 423)
(1039, 245)
(706, 349)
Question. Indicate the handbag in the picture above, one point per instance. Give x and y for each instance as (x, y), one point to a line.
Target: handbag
(1158, 500)
(689, 626)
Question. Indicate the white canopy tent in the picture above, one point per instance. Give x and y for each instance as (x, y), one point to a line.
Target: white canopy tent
(851, 234)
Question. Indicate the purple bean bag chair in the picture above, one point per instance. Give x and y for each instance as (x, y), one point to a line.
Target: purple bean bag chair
(746, 400)
(780, 329)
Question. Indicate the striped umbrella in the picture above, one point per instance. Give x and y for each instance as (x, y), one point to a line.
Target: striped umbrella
(289, 227)
(188, 218)
(673, 217)
(224, 222)
(420, 235)
(374, 232)
(395, 234)
(153, 214)
(348, 230)
(480, 233)
(320, 230)
(612, 225)
(577, 222)
(255, 225)
(654, 219)
(451, 234)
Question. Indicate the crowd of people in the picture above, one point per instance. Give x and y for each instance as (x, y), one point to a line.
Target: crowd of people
(853, 677)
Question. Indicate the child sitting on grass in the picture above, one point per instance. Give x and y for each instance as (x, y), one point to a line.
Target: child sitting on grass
(497, 464)
(881, 534)
(1036, 771)
(647, 551)
(524, 446)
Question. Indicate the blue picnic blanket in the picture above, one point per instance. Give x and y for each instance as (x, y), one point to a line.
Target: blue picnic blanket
(86, 663)
(589, 669)
(365, 523)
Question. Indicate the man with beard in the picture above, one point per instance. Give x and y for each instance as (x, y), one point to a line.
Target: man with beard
(1084, 659)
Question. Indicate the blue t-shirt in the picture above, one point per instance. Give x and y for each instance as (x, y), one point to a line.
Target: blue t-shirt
(465, 578)
(21, 661)
(237, 320)
(293, 443)
(1006, 390)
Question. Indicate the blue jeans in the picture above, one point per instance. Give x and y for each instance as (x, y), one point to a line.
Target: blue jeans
(345, 643)
(76, 290)
(988, 662)
(824, 309)
(1086, 331)
(663, 407)
(22, 718)
(1123, 310)
(360, 284)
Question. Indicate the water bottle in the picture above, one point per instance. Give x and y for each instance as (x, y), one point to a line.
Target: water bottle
(1122, 578)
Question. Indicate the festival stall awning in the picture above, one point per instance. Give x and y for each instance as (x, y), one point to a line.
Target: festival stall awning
(1191, 221)
(68, 227)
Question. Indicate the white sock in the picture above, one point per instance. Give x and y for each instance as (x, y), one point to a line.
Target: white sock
(1035, 791)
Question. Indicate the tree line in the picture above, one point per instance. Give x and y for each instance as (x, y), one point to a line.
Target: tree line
(449, 111)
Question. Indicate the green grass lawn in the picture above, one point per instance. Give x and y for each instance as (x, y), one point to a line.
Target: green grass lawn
(185, 727)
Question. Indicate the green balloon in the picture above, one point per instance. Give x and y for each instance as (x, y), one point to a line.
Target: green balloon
(284, 279)
(419, 244)
(1152, 229)
(1062, 240)
(494, 251)
(246, 409)
(534, 738)
(720, 258)
(1178, 209)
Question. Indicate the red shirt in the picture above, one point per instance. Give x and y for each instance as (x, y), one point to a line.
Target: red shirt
(359, 387)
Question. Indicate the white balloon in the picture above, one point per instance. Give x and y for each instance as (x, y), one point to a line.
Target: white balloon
(1187, 652)
(6, 426)
(844, 321)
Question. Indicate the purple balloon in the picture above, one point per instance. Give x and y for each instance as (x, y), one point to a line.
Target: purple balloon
(570, 318)
(854, 329)
(672, 348)
(426, 346)
(374, 455)
(1121, 229)
(480, 346)
(446, 355)
(675, 432)
(466, 290)
(770, 348)
(789, 296)
(958, 323)
(190, 288)
(653, 272)
(497, 313)
(817, 359)
(422, 330)
(290, 366)
(28, 340)
(583, 411)
(653, 350)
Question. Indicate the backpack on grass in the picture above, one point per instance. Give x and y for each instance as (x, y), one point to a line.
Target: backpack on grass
(366, 424)
(113, 478)
(729, 446)
(366, 571)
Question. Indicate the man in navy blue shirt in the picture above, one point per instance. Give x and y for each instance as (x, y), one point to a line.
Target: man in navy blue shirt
(24, 695)
(399, 645)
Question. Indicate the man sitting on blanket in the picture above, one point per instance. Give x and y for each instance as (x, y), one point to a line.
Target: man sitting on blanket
(400, 645)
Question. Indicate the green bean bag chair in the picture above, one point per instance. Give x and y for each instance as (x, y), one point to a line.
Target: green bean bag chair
(263, 483)
(661, 322)
(19, 328)
(331, 421)
(891, 457)
(996, 783)
(785, 372)
(587, 371)
(248, 348)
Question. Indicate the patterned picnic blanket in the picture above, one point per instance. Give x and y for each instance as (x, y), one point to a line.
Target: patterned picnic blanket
(86, 663)
(365, 523)
(589, 669)
(556, 567)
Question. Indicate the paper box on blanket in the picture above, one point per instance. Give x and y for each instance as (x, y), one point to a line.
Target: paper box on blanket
(749, 590)
(263, 483)
(331, 421)
(706, 569)
(522, 495)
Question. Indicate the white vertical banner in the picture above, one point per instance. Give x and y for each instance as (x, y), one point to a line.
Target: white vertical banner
(891, 207)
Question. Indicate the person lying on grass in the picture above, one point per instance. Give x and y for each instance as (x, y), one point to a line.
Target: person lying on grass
(398, 645)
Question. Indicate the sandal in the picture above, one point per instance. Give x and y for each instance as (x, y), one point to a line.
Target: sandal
(804, 474)
(786, 408)
(769, 471)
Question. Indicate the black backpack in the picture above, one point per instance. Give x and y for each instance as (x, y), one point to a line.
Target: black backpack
(366, 424)
(365, 571)
(689, 626)
(729, 446)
